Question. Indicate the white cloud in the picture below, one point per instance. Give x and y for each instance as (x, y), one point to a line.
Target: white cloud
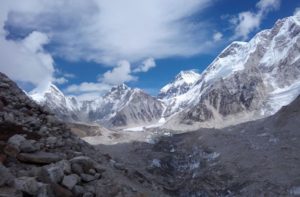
(217, 36)
(267, 5)
(247, 22)
(145, 66)
(69, 75)
(60, 80)
(86, 87)
(87, 90)
(88, 96)
(120, 74)
(26, 61)
(297, 11)
(107, 31)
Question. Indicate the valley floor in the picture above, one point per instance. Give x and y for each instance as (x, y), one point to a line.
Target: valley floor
(260, 158)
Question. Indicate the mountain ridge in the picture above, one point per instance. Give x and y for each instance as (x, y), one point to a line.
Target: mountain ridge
(246, 81)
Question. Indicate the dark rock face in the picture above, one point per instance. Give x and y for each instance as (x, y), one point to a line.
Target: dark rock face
(241, 92)
(141, 108)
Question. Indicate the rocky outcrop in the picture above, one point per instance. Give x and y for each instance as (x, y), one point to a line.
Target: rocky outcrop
(41, 157)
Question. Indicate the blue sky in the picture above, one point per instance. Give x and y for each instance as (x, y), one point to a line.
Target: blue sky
(86, 47)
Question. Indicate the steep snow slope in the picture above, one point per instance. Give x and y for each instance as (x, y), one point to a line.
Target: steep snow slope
(66, 108)
(173, 94)
(243, 82)
(181, 84)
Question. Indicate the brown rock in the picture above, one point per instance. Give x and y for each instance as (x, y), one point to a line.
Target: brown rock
(2, 158)
(1, 105)
(9, 192)
(60, 191)
(11, 150)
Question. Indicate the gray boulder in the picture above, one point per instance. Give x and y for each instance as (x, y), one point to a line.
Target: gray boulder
(16, 140)
(87, 177)
(70, 181)
(27, 184)
(65, 166)
(86, 163)
(6, 177)
(39, 157)
(29, 146)
(52, 174)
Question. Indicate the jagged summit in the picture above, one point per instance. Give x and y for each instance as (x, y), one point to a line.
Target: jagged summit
(120, 107)
(120, 87)
(182, 82)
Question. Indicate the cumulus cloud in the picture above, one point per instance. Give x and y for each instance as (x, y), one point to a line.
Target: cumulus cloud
(106, 31)
(247, 22)
(120, 74)
(145, 66)
(89, 90)
(26, 61)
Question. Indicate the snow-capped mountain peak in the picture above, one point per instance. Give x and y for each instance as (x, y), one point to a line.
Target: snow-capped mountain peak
(248, 80)
(181, 84)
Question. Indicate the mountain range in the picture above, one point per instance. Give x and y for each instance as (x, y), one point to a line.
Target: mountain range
(247, 81)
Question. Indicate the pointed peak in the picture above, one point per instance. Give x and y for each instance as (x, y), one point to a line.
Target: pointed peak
(122, 86)
(188, 76)
(183, 73)
(117, 89)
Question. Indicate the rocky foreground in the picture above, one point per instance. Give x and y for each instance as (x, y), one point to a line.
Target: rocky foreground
(39, 156)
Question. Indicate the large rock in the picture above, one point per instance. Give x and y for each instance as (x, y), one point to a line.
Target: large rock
(11, 150)
(65, 166)
(86, 163)
(88, 177)
(39, 157)
(16, 140)
(29, 146)
(27, 184)
(60, 191)
(70, 181)
(6, 177)
(52, 174)
(10, 192)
